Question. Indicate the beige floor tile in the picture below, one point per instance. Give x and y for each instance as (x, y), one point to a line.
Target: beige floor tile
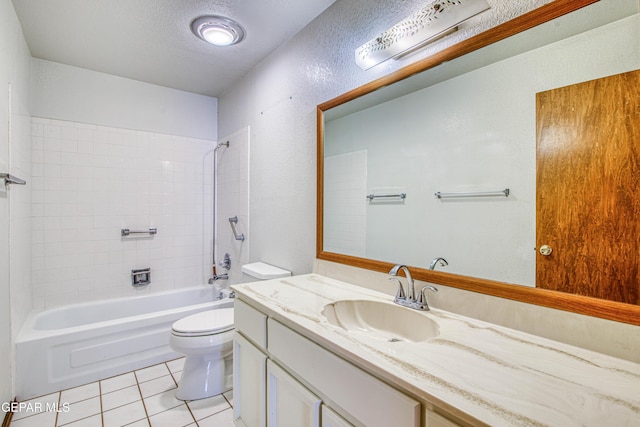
(117, 383)
(79, 410)
(206, 407)
(221, 419)
(120, 397)
(229, 396)
(175, 417)
(44, 419)
(118, 401)
(176, 365)
(157, 385)
(77, 394)
(152, 372)
(141, 423)
(124, 415)
(177, 376)
(94, 421)
(161, 402)
(36, 406)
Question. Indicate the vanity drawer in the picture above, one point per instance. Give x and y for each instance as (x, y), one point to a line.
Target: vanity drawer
(433, 419)
(359, 396)
(251, 323)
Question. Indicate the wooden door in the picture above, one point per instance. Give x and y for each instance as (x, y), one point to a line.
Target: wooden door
(588, 188)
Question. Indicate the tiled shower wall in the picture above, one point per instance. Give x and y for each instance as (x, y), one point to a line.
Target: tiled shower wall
(89, 182)
(232, 189)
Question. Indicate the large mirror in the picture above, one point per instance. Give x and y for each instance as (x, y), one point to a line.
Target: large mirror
(441, 160)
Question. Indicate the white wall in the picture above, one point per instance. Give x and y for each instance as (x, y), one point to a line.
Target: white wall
(278, 99)
(15, 210)
(69, 93)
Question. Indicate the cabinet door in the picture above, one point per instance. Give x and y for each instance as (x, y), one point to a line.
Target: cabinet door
(289, 403)
(433, 419)
(367, 400)
(331, 419)
(249, 384)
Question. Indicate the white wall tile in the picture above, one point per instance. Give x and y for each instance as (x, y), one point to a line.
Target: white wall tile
(91, 181)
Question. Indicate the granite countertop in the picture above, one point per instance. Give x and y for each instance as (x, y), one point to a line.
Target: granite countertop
(474, 370)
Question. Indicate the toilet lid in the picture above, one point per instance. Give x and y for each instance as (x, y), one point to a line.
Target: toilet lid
(212, 321)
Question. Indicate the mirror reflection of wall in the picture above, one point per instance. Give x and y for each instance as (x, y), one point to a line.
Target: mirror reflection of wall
(473, 132)
(344, 207)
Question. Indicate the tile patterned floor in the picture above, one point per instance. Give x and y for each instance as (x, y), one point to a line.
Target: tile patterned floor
(145, 397)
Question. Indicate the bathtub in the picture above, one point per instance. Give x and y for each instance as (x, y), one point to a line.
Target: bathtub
(77, 344)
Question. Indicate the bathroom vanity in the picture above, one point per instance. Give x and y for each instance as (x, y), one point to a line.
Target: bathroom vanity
(314, 351)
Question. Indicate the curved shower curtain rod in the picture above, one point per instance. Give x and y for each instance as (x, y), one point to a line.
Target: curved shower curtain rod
(215, 196)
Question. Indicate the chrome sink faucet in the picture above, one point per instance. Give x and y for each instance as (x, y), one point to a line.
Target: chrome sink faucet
(411, 287)
(434, 262)
(409, 299)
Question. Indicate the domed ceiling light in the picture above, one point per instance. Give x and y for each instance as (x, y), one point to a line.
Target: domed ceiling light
(217, 30)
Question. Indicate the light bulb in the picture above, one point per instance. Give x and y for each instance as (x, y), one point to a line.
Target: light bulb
(219, 36)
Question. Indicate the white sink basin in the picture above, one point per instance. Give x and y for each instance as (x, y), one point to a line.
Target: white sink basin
(381, 320)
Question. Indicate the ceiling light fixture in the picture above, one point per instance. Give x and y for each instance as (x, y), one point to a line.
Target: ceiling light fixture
(217, 30)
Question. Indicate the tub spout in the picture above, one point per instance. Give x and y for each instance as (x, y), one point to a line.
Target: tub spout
(217, 277)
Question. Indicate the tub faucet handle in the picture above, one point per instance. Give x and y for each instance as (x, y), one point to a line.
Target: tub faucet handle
(226, 262)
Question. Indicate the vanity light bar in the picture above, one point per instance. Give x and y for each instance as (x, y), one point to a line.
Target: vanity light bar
(429, 23)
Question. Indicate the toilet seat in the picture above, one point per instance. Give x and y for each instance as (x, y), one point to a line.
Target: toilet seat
(210, 322)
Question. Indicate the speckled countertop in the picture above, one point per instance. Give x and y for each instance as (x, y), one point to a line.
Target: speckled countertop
(477, 371)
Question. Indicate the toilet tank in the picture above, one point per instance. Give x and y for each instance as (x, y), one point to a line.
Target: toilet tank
(262, 271)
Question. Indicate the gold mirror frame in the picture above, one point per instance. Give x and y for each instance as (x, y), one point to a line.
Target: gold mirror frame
(620, 312)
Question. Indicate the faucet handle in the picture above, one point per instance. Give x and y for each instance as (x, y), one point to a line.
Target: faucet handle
(422, 298)
(400, 295)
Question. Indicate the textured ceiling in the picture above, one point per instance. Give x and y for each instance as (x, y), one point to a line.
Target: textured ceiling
(151, 41)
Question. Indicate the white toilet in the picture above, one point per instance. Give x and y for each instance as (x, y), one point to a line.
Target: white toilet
(206, 339)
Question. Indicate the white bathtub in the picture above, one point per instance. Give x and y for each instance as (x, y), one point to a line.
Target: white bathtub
(77, 344)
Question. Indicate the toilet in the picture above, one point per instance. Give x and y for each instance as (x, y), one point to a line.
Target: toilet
(262, 271)
(206, 339)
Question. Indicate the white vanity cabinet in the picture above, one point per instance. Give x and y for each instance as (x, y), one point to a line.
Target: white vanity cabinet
(283, 379)
(433, 419)
(331, 419)
(358, 396)
(473, 373)
(249, 367)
